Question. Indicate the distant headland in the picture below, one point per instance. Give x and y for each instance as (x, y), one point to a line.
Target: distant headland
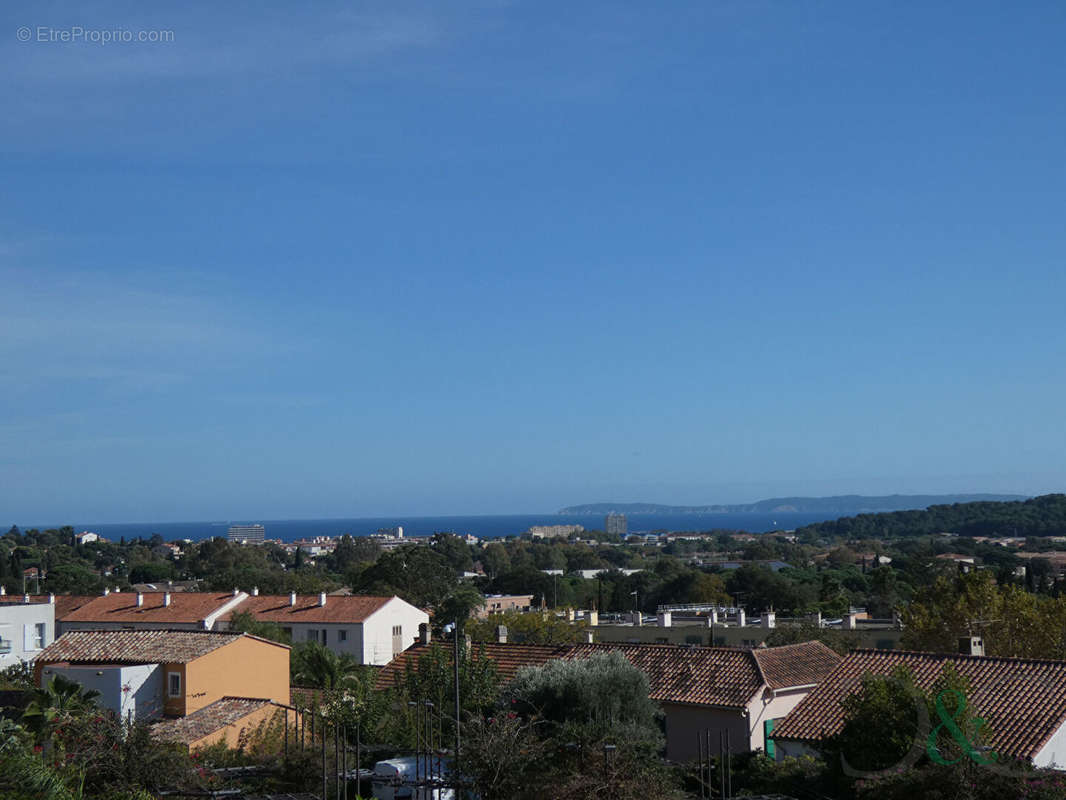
(840, 504)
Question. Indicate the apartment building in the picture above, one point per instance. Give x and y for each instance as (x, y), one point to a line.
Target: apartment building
(371, 629)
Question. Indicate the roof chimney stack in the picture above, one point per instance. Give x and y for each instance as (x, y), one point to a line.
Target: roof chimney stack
(255, 591)
(107, 591)
(166, 599)
(3, 591)
(590, 637)
(140, 599)
(25, 598)
(501, 634)
(52, 598)
(321, 598)
(971, 646)
(292, 599)
(425, 636)
(236, 591)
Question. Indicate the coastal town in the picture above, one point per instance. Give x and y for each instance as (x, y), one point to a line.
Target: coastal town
(746, 650)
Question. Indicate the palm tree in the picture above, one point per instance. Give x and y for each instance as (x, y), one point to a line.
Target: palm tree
(319, 667)
(61, 698)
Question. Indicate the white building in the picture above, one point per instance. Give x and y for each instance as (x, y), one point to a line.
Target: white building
(372, 629)
(26, 628)
(247, 534)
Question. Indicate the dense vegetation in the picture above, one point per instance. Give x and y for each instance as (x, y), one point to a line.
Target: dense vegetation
(1039, 516)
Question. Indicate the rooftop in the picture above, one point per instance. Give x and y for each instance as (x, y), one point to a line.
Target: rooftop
(718, 676)
(208, 719)
(277, 608)
(136, 647)
(184, 608)
(1024, 700)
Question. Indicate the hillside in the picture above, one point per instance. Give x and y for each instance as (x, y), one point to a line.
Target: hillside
(842, 504)
(1038, 516)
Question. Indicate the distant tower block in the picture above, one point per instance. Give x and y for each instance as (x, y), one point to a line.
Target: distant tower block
(248, 534)
(616, 524)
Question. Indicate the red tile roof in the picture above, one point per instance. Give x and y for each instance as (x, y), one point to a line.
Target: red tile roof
(717, 676)
(205, 721)
(1024, 700)
(136, 647)
(184, 608)
(65, 603)
(276, 608)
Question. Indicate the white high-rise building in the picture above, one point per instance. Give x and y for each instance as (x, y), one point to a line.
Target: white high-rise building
(249, 534)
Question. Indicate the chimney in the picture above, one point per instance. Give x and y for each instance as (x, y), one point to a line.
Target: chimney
(713, 620)
(769, 619)
(321, 598)
(849, 622)
(816, 619)
(52, 598)
(425, 636)
(742, 618)
(590, 637)
(501, 634)
(106, 591)
(236, 591)
(3, 591)
(637, 617)
(140, 599)
(666, 619)
(971, 646)
(255, 591)
(166, 599)
(25, 598)
(593, 617)
(292, 599)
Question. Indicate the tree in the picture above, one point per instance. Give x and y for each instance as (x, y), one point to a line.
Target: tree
(528, 628)
(56, 702)
(316, 666)
(594, 700)
(420, 575)
(245, 622)
(454, 550)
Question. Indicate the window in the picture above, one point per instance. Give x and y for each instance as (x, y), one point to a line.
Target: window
(312, 634)
(342, 635)
(173, 684)
(397, 630)
(767, 732)
(38, 636)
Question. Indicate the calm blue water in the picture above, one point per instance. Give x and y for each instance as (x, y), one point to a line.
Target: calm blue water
(484, 527)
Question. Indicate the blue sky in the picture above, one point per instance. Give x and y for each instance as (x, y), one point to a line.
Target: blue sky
(423, 258)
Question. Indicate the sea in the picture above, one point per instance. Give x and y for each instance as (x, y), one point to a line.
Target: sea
(483, 527)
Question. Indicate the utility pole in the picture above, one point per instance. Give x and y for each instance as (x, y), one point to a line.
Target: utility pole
(458, 711)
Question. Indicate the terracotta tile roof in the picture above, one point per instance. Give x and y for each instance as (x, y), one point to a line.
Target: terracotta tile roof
(64, 603)
(509, 658)
(184, 608)
(717, 676)
(276, 608)
(1024, 700)
(134, 647)
(800, 664)
(208, 719)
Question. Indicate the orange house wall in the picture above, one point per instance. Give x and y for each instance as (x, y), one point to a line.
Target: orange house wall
(231, 734)
(245, 668)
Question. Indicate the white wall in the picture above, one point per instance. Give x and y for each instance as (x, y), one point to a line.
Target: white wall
(353, 632)
(377, 630)
(130, 691)
(768, 705)
(1053, 754)
(17, 629)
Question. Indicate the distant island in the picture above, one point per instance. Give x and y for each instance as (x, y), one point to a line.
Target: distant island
(841, 504)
